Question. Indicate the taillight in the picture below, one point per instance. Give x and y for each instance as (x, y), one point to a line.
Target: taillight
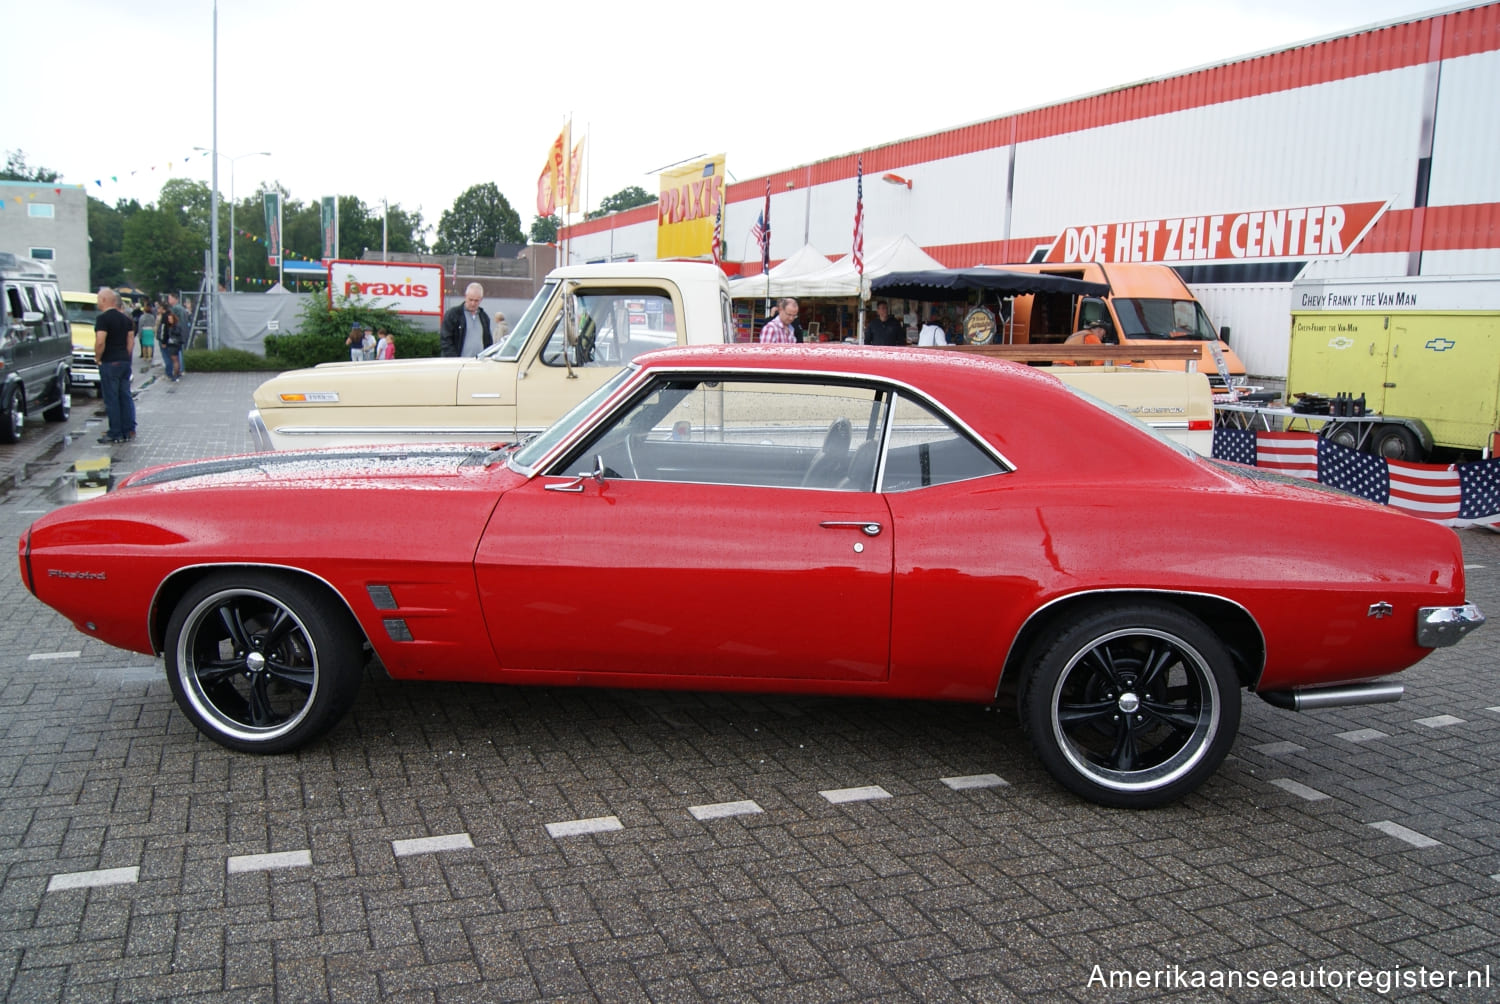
(23, 555)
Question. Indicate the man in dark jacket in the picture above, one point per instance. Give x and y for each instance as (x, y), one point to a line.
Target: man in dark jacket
(885, 329)
(466, 328)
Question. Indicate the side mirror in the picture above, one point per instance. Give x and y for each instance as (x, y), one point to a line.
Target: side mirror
(1224, 334)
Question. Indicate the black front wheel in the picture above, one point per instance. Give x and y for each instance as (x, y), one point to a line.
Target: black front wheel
(260, 662)
(12, 414)
(1131, 706)
(62, 410)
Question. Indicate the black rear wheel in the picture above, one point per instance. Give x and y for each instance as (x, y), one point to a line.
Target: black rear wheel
(12, 414)
(1131, 706)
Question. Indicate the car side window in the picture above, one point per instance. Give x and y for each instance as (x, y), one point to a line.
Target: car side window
(927, 449)
(763, 433)
(611, 327)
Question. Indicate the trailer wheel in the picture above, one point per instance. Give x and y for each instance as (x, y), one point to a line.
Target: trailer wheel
(1345, 435)
(1397, 442)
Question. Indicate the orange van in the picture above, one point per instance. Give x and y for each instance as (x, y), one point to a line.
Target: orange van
(1146, 303)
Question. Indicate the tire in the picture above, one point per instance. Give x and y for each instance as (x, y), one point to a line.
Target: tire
(1397, 442)
(12, 414)
(63, 409)
(1345, 435)
(1131, 706)
(261, 662)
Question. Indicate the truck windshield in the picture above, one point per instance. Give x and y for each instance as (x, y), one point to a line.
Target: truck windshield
(1163, 319)
(511, 348)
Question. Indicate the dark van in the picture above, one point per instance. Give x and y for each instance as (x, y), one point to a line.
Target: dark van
(37, 347)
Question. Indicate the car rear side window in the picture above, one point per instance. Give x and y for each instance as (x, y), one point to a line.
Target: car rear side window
(925, 448)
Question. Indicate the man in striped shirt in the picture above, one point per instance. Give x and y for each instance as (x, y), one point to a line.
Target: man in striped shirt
(779, 328)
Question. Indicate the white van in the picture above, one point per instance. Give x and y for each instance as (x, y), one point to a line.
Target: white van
(37, 347)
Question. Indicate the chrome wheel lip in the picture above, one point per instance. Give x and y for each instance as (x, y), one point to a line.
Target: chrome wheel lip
(192, 686)
(1192, 751)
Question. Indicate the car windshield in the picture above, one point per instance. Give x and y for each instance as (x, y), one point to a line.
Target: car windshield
(1163, 319)
(540, 445)
(82, 313)
(511, 347)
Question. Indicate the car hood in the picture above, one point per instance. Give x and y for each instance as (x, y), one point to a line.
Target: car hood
(410, 464)
(388, 383)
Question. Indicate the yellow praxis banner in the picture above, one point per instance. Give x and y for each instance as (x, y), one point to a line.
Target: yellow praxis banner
(691, 195)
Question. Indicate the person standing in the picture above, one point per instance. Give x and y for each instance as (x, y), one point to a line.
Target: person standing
(501, 329)
(466, 328)
(145, 329)
(114, 348)
(170, 330)
(779, 329)
(932, 333)
(356, 343)
(184, 327)
(885, 329)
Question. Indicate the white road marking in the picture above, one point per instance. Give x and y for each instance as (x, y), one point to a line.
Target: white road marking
(95, 879)
(266, 862)
(39, 656)
(975, 781)
(1404, 833)
(1363, 735)
(840, 795)
(1440, 721)
(576, 827)
(722, 810)
(1299, 789)
(1276, 749)
(431, 845)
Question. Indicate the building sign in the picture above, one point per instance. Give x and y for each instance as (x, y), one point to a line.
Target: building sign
(1298, 233)
(979, 326)
(690, 198)
(392, 285)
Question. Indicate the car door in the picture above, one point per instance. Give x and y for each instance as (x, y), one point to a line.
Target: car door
(698, 551)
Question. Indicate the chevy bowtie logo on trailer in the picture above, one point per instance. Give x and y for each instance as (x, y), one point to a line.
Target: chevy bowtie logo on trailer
(1440, 344)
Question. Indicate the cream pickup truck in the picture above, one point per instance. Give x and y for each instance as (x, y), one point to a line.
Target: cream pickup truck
(585, 323)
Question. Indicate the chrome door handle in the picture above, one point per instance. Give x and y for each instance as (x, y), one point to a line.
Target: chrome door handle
(867, 528)
(576, 485)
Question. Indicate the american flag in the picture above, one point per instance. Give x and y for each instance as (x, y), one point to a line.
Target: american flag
(1291, 453)
(859, 218)
(1455, 494)
(764, 226)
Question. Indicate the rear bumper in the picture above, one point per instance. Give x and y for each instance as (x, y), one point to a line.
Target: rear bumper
(1441, 626)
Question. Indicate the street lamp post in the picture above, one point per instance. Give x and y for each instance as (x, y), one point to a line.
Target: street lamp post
(232, 232)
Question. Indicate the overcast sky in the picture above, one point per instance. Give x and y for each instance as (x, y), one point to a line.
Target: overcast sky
(414, 102)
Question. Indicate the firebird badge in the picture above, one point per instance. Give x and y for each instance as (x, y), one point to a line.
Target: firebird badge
(1379, 610)
(1440, 344)
(58, 573)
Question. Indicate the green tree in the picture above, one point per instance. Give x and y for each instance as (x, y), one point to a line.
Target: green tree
(107, 241)
(16, 169)
(544, 229)
(625, 198)
(160, 251)
(480, 218)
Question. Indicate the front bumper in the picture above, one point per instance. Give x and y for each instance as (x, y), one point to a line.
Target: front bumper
(84, 370)
(1438, 627)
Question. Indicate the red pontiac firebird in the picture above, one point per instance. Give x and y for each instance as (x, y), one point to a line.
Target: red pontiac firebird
(875, 523)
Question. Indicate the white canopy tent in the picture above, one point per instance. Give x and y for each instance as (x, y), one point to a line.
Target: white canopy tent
(901, 254)
(806, 261)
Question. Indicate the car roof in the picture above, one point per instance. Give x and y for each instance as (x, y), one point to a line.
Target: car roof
(1024, 412)
(670, 270)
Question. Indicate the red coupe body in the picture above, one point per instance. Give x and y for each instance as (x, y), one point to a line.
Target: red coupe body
(634, 547)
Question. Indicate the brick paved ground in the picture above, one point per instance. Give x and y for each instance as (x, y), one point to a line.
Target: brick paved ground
(141, 862)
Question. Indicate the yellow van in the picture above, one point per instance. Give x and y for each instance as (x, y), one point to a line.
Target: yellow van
(83, 311)
(1145, 303)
